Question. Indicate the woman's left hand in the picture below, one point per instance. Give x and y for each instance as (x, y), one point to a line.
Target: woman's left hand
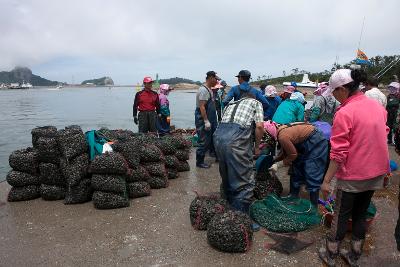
(325, 189)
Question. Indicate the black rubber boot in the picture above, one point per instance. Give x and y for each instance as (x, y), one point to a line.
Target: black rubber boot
(352, 256)
(329, 252)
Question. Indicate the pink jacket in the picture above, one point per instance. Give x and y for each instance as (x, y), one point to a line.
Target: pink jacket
(359, 139)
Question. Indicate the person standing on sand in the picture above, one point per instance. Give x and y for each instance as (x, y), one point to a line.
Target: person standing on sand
(372, 91)
(234, 147)
(205, 118)
(358, 164)
(244, 87)
(163, 122)
(392, 107)
(148, 105)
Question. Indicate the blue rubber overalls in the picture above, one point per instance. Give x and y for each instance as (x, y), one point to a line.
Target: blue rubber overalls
(205, 142)
(233, 145)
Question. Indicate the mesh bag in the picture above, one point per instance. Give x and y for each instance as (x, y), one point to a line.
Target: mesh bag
(204, 208)
(138, 174)
(105, 200)
(24, 193)
(172, 173)
(139, 189)
(52, 192)
(80, 193)
(24, 160)
(263, 176)
(171, 161)
(45, 131)
(156, 169)
(47, 149)
(166, 145)
(75, 170)
(150, 153)
(72, 142)
(230, 232)
(109, 163)
(129, 150)
(158, 182)
(182, 154)
(179, 141)
(16, 178)
(109, 183)
(51, 174)
(183, 166)
(284, 214)
(264, 188)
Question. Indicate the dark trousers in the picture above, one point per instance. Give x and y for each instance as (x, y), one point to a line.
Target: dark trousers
(397, 231)
(147, 121)
(350, 205)
(234, 150)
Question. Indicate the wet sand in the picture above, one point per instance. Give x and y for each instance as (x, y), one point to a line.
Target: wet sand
(156, 231)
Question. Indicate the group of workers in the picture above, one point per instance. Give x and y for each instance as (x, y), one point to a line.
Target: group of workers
(231, 126)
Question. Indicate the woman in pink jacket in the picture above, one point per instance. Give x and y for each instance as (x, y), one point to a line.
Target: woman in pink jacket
(359, 160)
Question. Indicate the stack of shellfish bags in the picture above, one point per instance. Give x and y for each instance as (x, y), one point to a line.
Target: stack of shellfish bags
(109, 171)
(74, 164)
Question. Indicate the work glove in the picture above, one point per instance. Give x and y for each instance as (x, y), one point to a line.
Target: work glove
(135, 120)
(207, 125)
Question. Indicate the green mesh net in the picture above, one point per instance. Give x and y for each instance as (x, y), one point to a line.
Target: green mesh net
(284, 215)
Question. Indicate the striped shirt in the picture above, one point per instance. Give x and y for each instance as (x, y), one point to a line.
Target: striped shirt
(248, 110)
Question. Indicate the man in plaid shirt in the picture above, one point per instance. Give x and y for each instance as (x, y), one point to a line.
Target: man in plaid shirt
(234, 147)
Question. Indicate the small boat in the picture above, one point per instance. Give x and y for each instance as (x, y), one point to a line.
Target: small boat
(26, 85)
(59, 87)
(304, 83)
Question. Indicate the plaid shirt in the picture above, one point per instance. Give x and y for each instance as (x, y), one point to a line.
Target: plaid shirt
(249, 110)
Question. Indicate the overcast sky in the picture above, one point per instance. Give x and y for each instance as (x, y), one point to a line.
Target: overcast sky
(77, 40)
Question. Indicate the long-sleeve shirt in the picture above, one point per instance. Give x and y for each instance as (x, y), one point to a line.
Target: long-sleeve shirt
(289, 111)
(146, 100)
(238, 91)
(289, 136)
(359, 139)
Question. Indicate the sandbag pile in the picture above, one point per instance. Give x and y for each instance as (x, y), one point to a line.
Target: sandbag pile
(74, 164)
(108, 181)
(267, 183)
(204, 208)
(230, 232)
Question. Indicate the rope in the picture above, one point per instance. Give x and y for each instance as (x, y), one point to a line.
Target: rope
(293, 211)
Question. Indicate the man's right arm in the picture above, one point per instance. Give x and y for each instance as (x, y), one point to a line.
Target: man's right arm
(135, 104)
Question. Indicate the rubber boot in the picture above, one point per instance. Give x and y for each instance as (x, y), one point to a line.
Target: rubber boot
(314, 196)
(352, 256)
(329, 252)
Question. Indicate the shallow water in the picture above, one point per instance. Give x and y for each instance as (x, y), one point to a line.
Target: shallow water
(91, 108)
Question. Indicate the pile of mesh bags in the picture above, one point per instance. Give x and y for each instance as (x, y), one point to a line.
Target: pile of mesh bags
(227, 230)
(108, 181)
(58, 166)
(24, 176)
(74, 164)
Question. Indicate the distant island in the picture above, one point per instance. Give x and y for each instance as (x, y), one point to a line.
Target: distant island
(104, 81)
(24, 74)
(177, 80)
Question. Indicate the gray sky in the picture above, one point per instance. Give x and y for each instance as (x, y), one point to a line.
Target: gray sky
(65, 40)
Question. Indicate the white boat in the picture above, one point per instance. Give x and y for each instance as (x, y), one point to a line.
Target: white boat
(304, 83)
(26, 85)
(59, 87)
